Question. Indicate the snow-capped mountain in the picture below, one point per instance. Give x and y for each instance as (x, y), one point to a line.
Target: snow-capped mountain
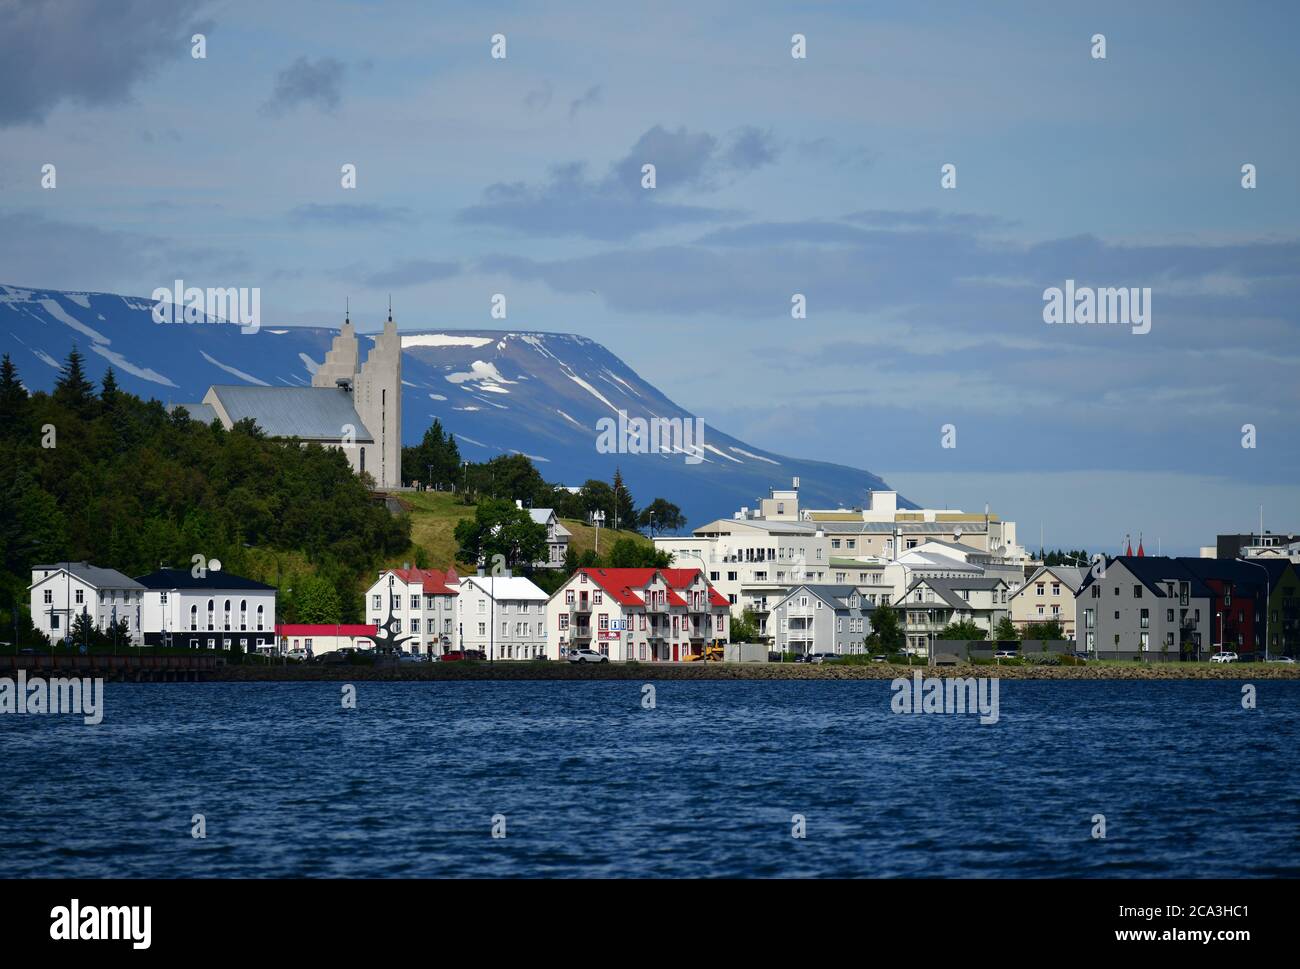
(539, 394)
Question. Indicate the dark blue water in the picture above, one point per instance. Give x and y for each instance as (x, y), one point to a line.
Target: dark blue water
(591, 784)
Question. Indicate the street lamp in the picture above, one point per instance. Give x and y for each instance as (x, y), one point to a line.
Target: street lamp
(597, 517)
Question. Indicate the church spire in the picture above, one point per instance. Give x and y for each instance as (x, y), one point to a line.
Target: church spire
(347, 309)
(390, 307)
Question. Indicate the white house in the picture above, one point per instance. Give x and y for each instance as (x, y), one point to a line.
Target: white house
(215, 611)
(636, 614)
(64, 590)
(930, 605)
(503, 616)
(415, 610)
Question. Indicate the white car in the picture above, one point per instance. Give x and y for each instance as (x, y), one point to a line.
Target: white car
(1005, 654)
(1290, 660)
(1223, 658)
(586, 656)
(299, 654)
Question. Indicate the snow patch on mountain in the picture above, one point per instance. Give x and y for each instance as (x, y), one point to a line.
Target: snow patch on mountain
(122, 363)
(55, 310)
(233, 371)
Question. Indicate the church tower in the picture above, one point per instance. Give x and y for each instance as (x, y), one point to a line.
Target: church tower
(378, 399)
(341, 361)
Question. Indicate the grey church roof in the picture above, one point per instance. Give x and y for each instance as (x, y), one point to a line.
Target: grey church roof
(203, 413)
(309, 413)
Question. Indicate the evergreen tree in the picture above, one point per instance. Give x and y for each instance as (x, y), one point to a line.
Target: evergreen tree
(72, 389)
(13, 400)
(624, 508)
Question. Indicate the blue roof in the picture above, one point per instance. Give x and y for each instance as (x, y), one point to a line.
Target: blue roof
(309, 413)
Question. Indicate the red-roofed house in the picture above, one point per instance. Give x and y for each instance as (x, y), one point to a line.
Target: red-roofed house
(415, 610)
(652, 615)
(324, 638)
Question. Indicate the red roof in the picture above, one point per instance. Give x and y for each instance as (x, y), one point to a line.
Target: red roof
(433, 582)
(324, 629)
(623, 583)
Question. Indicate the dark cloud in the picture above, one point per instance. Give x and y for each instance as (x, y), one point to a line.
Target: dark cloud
(614, 207)
(318, 82)
(413, 272)
(591, 97)
(90, 52)
(349, 213)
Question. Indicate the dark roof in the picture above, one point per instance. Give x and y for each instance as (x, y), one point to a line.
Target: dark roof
(185, 579)
(1153, 570)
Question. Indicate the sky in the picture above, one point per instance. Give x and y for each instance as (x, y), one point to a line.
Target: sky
(775, 176)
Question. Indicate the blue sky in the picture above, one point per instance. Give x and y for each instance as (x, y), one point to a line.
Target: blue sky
(775, 176)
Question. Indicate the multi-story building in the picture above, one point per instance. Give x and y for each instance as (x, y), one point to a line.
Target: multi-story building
(649, 615)
(753, 562)
(503, 616)
(930, 605)
(62, 591)
(822, 619)
(1258, 545)
(415, 610)
(1282, 618)
(1047, 595)
(216, 610)
(1145, 607)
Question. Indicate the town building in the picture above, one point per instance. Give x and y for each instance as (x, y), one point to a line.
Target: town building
(215, 610)
(648, 615)
(320, 638)
(502, 616)
(352, 406)
(1262, 544)
(1147, 608)
(930, 605)
(822, 619)
(1282, 621)
(415, 610)
(1047, 595)
(62, 591)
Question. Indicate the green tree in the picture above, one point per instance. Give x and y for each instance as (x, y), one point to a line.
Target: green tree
(745, 629)
(72, 389)
(317, 601)
(625, 514)
(886, 630)
(628, 553)
(964, 630)
(13, 400)
(661, 515)
(498, 528)
(1006, 630)
(1051, 630)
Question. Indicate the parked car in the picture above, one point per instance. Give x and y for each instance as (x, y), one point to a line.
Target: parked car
(1005, 654)
(1289, 660)
(820, 657)
(301, 655)
(452, 656)
(879, 658)
(1224, 657)
(586, 656)
(410, 658)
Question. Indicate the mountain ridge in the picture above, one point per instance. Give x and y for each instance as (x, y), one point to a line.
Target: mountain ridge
(498, 390)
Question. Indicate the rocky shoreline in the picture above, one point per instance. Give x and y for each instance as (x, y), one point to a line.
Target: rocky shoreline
(734, 671)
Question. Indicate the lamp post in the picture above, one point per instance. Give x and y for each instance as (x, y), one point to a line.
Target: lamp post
(597, 517)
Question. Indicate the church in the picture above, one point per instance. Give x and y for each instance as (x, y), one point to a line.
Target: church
(350, 405)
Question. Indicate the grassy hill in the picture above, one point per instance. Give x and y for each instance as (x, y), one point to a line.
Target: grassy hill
(434, 515)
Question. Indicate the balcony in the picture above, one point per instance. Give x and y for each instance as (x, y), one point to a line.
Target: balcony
(578, 632)
(581, 606)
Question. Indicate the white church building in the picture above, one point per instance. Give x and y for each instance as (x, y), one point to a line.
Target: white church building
(350, 405)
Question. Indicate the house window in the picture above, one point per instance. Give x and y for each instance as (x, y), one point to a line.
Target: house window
(49, 596)
(415, 602)
(80, 597)
(162, 599)
(1137, 592)
(378, 601)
